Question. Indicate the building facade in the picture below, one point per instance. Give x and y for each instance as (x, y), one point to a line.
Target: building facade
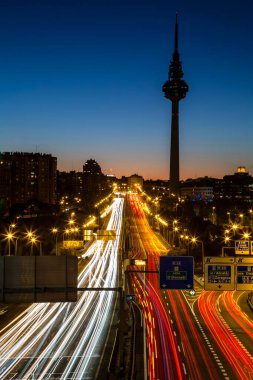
(25, 176)
(236, 187)
(69, 184)
(94, 183)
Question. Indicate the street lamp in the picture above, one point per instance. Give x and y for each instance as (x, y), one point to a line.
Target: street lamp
(32, 241)
(9, 237)
(16, 246)
(55, 231)
(250, 212)
(187, 237)
(195, 240)
(29, 234)
(234, 227)
(175, 221)
(213, 215)
(71, 222)
(226, 240)
(241, 216)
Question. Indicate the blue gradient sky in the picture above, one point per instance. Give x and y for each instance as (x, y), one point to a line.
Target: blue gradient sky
(82, 79)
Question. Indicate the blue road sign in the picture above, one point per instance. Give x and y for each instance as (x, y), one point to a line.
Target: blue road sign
(130, 297)
(176, 272)
(245, 274)
(219, 274)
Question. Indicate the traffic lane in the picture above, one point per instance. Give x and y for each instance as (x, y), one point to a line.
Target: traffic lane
(229, 352)
(198, 357)
(240, 324)
(163, 359)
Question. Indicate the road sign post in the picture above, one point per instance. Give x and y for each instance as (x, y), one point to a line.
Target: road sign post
(176, 272)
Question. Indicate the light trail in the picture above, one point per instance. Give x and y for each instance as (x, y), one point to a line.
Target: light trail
(175, 344)
(163, 359)
(239, 359)
(74, 330)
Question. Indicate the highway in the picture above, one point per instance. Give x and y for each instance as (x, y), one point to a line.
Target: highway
(66, 340)
(230, 330)
(186, 339)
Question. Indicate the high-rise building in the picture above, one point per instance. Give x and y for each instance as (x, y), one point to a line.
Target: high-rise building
(25, 176)
(175, 89)
(237, 187)
(94, 182)
(70, 184)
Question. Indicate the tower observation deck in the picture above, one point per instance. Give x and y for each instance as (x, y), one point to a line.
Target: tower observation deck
(175, 89)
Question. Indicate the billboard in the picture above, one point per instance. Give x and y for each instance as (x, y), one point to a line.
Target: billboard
(27, 279)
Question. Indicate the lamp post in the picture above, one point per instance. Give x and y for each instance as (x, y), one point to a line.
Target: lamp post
(213, 215)
(186, 237)
(195, 240)
(32, 241)
(173, 230)
(241, 216)
(234, 227)
(67, 231)
(9, 237)
(251, 212)
(227, 240)
(176, 229)
(55, 231)
(16, 247)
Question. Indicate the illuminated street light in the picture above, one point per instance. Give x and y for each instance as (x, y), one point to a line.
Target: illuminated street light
(226, 240)
(9, 237)
(246, 235)
(213, 215)
(33, 239)
(32, 242)
(251, 214)
(67, 231)
(175, 221)
(55, 231)
(234, 227)
(195, 241)
(29, 234)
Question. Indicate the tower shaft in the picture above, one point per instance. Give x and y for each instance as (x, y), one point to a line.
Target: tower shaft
(175, 89)
(174, 148)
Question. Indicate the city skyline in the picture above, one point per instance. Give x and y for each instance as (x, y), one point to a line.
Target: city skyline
(83, 80)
